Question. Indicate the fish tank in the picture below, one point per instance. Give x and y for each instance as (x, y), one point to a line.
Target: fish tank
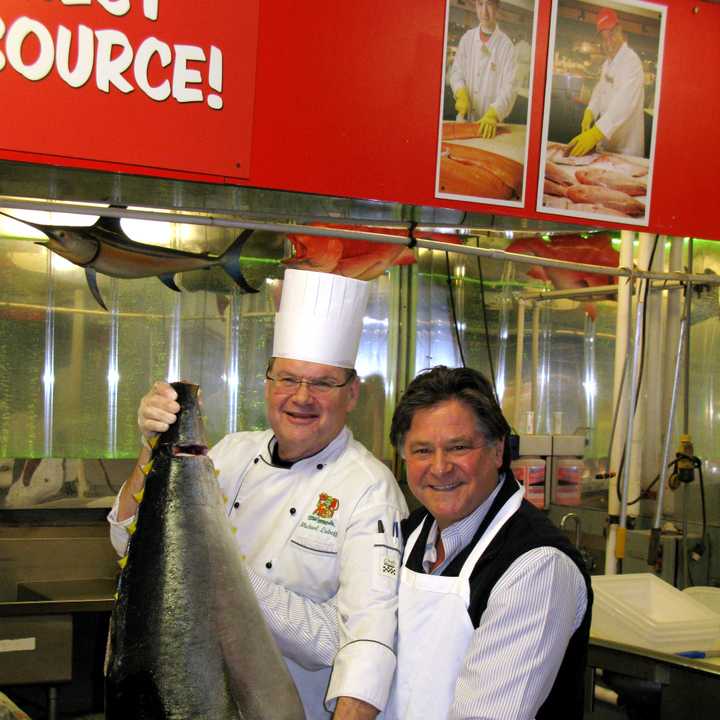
(72, 373)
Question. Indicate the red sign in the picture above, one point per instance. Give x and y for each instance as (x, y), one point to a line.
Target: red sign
(163, 84)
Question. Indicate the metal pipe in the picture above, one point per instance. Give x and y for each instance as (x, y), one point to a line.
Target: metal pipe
(541, 295)
(671, 415)
(501, 255)
(686, 424)
(649, 435)
(622, 346)
(519, 357)
(534, 400)
(673, 314)
(686, 379)
(638, 399)
(637, 352)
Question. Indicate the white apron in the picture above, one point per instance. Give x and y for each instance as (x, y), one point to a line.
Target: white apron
(434, 630)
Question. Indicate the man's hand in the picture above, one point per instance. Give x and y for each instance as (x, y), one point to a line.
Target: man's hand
(587, 120)
(158, 410)
(462, 102)
(348, 708)
(488, 123)
(586, 141)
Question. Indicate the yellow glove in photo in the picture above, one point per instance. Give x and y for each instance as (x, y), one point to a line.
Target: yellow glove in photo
(587, 120)
(462, 102)
(585, 142)
(488, 123)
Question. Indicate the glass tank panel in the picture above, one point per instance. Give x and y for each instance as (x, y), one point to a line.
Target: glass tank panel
(72, 373)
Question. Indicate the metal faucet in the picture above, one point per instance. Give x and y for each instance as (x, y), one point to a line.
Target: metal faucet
(578, 529)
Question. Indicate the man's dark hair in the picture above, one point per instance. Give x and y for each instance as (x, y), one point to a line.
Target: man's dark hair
(442, 383)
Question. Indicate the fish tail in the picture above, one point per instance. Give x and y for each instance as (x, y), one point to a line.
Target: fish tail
(230, 261)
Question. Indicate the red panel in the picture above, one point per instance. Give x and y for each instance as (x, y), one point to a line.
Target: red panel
(50, 116)
(348, 96)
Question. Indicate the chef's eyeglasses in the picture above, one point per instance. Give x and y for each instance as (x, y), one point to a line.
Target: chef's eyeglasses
(288, 384)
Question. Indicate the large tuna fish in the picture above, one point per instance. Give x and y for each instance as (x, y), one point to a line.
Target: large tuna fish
(188, 639)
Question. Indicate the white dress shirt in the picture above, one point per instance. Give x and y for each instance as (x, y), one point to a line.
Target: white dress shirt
(516, 651)
(321, 569)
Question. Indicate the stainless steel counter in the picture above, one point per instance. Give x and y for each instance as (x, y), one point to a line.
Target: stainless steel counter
(55, 597)
(689, 687)
(36, 631)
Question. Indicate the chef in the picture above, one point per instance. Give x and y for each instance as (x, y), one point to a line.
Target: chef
(614, 119)
(312, 510)
(494, 602)
(483, 72)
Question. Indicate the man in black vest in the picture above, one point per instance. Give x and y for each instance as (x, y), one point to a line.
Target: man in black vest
(494, 603)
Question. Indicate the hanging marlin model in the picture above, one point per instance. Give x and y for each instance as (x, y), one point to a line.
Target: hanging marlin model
(105, 248)
(188, 640)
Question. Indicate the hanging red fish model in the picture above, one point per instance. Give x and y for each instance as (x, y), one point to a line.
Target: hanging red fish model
(359, 259)
(595, 249)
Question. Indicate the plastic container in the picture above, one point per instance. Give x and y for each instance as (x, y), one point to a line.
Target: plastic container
(708, 596)
(643, 610)
(568, 480)
(530, 473)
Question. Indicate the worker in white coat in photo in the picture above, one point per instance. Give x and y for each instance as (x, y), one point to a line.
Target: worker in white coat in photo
(494, 601)
(483, 72)
(614, 118)
(312, 510)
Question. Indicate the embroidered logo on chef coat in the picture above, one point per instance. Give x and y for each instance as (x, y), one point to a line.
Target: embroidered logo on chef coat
(326, 507)
(320, 520)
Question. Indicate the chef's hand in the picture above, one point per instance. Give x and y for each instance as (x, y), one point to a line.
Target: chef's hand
(587, 120)
(488, 123)
(158, 410)
(586, 141)
(462, 102)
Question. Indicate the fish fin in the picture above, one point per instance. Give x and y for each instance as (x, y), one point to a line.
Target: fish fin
(146, 468)
(407, 257)
(122, 562)
(230, 261)
(131, 528)
(112, 225)
(138, 496)
(221, 302)
(91, 277)
(168, 279)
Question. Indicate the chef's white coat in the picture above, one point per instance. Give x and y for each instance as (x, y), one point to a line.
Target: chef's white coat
(617, 104)
(325, 578)
(487, 70)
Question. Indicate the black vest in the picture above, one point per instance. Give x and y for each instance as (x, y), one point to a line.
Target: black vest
(527, 529)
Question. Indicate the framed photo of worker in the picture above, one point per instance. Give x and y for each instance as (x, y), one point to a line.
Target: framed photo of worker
(601, 108)
(487, 82)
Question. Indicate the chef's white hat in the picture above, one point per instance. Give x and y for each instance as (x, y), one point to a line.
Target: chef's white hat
(320, 318)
